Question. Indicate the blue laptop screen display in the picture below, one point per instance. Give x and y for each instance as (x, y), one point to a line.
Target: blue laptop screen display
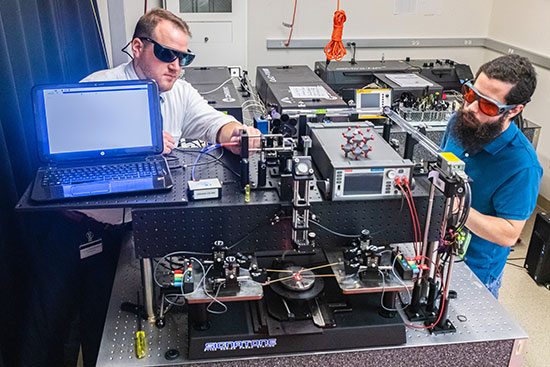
(98, 120)
(92, 119)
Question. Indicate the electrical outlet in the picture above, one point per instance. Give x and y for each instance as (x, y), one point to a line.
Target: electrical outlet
(235, 71)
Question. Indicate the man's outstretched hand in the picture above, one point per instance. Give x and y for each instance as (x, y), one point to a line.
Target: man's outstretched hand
(231, 133)
(169, 142)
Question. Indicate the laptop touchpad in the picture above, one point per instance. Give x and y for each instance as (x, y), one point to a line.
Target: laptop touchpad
(88, 189)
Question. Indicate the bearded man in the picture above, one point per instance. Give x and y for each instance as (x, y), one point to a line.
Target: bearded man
(499, 159)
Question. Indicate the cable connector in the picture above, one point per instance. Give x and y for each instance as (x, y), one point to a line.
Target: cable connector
(405, 181)
(398, 181)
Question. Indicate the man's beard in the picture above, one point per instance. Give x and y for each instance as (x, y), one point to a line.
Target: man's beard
(472, 134)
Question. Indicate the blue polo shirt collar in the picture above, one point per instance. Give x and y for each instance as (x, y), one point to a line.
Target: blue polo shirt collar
(503, 139)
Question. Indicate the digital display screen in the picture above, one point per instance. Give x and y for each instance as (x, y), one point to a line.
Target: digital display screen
(363, 184)
(370, 100)
(90, 119)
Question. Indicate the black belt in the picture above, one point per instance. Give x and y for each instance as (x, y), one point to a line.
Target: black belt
(92, 224)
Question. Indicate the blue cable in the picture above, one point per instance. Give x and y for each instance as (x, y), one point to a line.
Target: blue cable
(207, 149)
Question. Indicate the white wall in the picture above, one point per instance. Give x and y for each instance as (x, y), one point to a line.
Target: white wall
(365, 19)
(132, 11)
(532, 33)
(522, 23)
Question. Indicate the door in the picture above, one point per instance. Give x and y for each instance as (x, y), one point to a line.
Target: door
(218, 28)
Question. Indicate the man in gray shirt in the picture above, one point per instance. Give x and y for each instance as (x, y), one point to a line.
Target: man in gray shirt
(79, 289)
(159, 46)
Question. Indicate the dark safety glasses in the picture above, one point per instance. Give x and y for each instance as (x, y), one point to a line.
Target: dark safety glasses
(167, 54)
(488, 106)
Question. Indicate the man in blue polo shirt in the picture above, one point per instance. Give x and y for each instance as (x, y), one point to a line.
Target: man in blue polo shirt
(499, 159)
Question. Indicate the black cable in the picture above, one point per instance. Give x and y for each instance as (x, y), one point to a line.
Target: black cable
(123, 49)
(334, 232)
(161, 264)
(170, 159)
(190, 151)
(215, 160)
(467, 206)
(255, 229)
(516, 258)
(174, 265)
(517, 266)
(229, 169)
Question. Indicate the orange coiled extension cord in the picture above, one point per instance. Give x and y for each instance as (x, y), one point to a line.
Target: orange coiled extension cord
(335, 49)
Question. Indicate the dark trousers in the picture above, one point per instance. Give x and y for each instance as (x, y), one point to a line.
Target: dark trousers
(69, 296)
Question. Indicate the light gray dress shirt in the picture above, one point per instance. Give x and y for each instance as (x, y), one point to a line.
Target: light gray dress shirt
(185, 113)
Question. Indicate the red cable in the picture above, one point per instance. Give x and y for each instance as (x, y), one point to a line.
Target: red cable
(436, 269)
(335, 49)
(292, 26)
(442, 306)
(414, 208)
(412, 218)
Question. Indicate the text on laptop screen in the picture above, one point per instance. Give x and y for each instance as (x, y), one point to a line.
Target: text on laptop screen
(99, 118)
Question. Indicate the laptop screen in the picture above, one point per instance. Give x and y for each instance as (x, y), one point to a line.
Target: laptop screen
(97, 120)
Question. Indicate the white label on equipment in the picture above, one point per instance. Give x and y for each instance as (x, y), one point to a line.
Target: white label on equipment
(317, 91)
(409, 80)
(205, 194)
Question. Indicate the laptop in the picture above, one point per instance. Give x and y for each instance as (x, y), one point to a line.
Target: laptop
(98, 139)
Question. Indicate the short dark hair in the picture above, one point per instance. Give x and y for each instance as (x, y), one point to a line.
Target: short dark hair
(516, 70)
(148, 22)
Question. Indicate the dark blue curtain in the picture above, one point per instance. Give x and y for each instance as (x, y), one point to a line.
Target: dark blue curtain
(41, 41)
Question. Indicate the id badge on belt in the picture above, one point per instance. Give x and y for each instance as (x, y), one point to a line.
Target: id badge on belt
(92, 246)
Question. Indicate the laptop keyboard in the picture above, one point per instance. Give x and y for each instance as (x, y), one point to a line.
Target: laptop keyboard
(120, 171)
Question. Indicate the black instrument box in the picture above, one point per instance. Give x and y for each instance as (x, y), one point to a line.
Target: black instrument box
(274, 85)
(537, 261)
(207, 79)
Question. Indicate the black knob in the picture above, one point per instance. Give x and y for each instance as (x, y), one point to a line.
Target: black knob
(351, 253)
(171, 354)
(365, 234)
(160, 323)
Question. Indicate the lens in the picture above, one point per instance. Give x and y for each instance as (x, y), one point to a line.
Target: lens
(469, 94)
(488, 107)
(186, 59)
(164, 54)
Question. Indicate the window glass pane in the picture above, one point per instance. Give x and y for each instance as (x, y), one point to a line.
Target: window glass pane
(205, 6)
